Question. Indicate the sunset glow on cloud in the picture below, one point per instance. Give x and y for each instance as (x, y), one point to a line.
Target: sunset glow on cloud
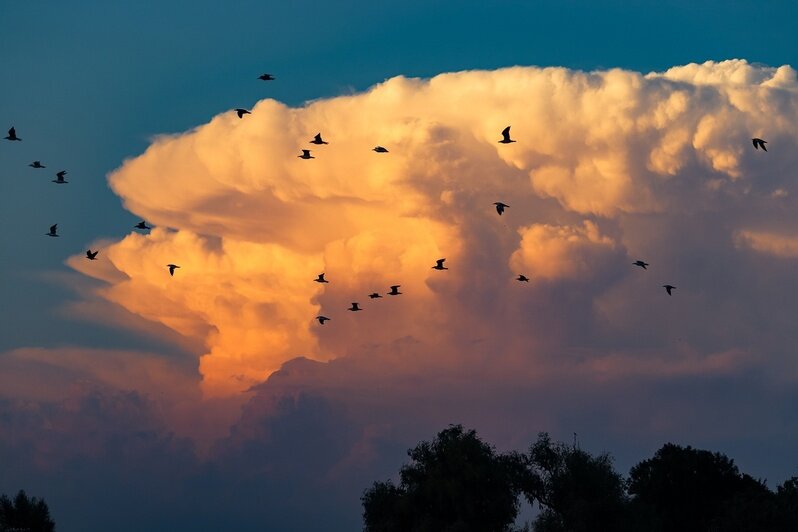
(251, 224)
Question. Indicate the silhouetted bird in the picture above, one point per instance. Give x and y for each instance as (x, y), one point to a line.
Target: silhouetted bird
(641, 264)
(172, 268)
(395, 290)
(91, 255)
(59, 178)
(439, 265)
(380, 149)
(241, 112)
(500, 207)
(354, 307)
(306, 155)
(268, 77)
(374, 295)
(36, 164)
(12, 134)
(522, 278)
(317, 140)
(322, 319)
(506, 136)
(321, 279)
(142, 225)
(53, 230)
(759, 143)
(668, 288)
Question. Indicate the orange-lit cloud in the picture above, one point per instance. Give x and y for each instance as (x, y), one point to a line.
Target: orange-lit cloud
(251, 224)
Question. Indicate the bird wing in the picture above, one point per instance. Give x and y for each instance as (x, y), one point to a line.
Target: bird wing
(12, 132)
(440, 262)
(305, 152)
(506, 133)
(53, 228)
(317, 138)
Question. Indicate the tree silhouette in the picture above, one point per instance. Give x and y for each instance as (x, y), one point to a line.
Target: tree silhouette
(23, 513)
(456, 483)
(687, 489)
(577, 491)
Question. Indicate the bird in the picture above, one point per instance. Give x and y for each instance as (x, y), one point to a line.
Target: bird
(321, 279)
(374, 295)
(91, 255)
(379, 149)
(268, 77)
(354, 307)
(60, 178)
(500, 207)
(12, 135)
(317, 140)
(439, 265)
(668, 288)
(506, 136)
(759, 143)
(395, 290)
(142, 225)
(53, 229)
(322, 319)
(523, 278)
(641, 264)
(172, 268)
(306, 155)
(37, 164)
(241, 112)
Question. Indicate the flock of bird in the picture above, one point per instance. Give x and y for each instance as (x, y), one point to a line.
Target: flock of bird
(306, 154)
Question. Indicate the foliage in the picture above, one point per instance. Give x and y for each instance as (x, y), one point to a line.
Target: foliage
(23, 513)
(456, 483)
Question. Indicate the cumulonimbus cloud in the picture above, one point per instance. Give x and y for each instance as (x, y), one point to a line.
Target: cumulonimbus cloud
(598, 156)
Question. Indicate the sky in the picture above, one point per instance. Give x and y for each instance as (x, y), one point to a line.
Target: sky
(633, 125)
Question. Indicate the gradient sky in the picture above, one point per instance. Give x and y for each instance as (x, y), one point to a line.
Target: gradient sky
(158, 393)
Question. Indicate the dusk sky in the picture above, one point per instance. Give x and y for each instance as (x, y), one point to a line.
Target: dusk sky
(212, 400)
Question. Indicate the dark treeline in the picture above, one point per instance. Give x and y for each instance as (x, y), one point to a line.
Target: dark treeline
(24, 514)
(458, 483)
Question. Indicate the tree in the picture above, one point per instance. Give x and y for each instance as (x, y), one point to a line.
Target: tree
(456, 483)
(576, 491)
(23, 513)
(687, 489)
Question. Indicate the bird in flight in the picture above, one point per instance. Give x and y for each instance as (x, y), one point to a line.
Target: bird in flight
(306, 155)
(506, 136)
(37, 164)
(53, 230)
(269, 77)
(354, 307)
(142, 225)
(374, 295)
(668, 288)
(91, 255)
(759, 143)
(241, 112)
(321, 279)
(641, 264)
(500, 207)
(395, 290)
(172, 268)
(523, 278)
(59, 178)
(379, 149)
(439, 265)
(322, 319)
(318, 140)
(12, 135)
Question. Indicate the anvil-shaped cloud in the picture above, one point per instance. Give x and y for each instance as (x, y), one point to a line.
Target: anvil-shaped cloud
(608, 167)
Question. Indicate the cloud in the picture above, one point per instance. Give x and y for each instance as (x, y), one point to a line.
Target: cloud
(598, 153)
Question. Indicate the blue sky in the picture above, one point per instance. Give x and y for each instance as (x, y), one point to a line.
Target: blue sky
(89, 84)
